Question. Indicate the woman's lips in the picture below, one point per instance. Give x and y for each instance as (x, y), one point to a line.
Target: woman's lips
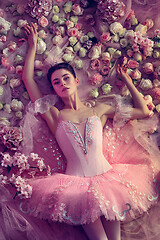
(64, 89)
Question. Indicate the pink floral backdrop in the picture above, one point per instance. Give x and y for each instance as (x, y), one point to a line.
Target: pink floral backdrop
(92, 36)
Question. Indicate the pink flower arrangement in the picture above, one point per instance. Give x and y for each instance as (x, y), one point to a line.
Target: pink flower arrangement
(95, 79)
(11, 137)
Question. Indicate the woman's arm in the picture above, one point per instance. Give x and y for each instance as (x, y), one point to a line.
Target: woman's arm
(28, 77)
(140, 109)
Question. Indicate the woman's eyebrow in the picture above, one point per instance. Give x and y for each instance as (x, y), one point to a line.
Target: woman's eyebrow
(55, 79)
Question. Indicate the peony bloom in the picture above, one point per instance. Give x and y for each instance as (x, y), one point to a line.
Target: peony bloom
(105, 70)
(148, 68)
(95, 52)
(73, 32)
(16, 105)
(82, 52)
(123, 42)
(42, 34)
(57, 40)
(95, 79)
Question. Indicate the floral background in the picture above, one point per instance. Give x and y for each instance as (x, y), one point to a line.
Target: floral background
(92, 36)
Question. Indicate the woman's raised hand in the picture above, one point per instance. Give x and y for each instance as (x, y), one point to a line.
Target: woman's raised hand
(32, 34)
(122, 73)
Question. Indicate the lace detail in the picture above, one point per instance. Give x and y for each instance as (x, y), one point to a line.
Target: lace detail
(72, 128)
(43, 104)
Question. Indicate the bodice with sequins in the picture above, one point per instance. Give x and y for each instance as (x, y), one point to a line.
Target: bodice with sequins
(82, 146)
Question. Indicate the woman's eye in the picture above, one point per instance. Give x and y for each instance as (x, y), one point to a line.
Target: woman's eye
(66, 78)
(56, 82)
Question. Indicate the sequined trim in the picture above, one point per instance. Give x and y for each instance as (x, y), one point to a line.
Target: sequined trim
(72, 128)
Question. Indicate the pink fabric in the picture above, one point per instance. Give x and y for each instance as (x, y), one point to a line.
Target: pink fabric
(91, 186)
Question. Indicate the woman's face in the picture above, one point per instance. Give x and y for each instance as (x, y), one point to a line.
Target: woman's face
(64, 83)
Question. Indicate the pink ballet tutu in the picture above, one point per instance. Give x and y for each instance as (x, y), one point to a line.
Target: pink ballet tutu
(123, 191)
(126, 190)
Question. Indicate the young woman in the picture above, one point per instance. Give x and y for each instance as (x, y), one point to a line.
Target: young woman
(92, 192)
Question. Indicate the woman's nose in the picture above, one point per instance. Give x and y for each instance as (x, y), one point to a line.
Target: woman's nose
(62, 82)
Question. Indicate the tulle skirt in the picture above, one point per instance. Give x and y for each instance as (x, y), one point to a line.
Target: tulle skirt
(125, 191)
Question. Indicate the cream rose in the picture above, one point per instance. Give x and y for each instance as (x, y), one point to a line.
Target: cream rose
(116, 28)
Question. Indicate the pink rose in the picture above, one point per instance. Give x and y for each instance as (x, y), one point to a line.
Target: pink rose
(95, 64)
(72, 32)
(148, 68)
(130, 53)
(43, 21)
(105, 37)
(19, 70)
(147, 51)
(78, 26)
(135, 47)
(132, 64)
(77, 10)
(105, 70)
(136, 74)
(5, 62)
(95, 79)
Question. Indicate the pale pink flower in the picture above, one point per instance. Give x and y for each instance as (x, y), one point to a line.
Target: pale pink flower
(72, 32)
(77, 10)
(148, 68)
(135, 48)
(136, 74)
(41, 165)
(130, 52)
(43, 21)
(95, 79)
(7, 160)
(149, 23)
(15, 82)
(105, 37)
(132, 64)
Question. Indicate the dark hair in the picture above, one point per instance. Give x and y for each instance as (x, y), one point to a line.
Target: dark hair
(62, 65)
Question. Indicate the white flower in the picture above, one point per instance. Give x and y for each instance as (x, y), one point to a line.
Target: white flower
(116, 28)
(95, 52)
(22, 23)
(68, 57)
(94, 93)
(78, 63)
(145, 84)
(16, 105)
(106, 88)
(41, 46)
(141, 28)
(4, 26)
(158, 108)
(57, 40)
(129, 35)
(123, 42)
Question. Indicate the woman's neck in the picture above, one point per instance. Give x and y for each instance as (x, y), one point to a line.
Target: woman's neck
(73, 103)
